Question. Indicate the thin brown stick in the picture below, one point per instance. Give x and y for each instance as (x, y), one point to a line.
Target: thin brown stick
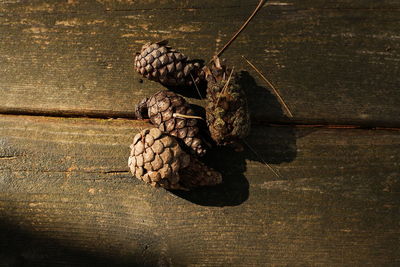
(183, 116)
(272, 86)
(197, 88)
(225, 86)
(260, 4)
(262, 160)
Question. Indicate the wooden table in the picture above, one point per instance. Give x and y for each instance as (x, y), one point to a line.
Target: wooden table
(67, 95)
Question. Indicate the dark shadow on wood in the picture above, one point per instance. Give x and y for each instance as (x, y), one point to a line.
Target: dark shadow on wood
(270, 145)
(234, 189)
(24, 247)
(20, 248)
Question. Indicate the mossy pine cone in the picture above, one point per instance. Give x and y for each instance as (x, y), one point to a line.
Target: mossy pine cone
(228, 118)
(168, 111)
(161, 63)
(157, 159)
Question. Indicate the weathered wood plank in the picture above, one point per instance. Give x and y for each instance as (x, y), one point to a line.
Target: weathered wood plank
(66, 197)
(333, 62)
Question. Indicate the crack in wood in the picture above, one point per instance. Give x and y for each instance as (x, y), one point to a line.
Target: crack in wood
(67, 171)
(290, 123)
(83, 171)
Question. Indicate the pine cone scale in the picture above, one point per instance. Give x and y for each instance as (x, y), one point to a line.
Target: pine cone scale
(167, 115)
(163, 104)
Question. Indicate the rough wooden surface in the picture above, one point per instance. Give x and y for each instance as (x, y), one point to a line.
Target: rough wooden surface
(334, 62)
(67, 196)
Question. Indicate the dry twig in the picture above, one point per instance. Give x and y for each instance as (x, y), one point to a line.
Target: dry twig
(259, 6)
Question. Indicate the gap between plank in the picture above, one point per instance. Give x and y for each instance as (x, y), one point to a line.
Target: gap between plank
(131, 116)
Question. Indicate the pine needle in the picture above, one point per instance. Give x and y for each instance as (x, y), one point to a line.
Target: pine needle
(225, 86)
(227, 82)
(262, 160)
(197, 88)
(270, 85)
(260, 4)
(183, 116)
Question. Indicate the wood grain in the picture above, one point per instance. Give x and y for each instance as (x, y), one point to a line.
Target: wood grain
(333, 62)
(67, 198)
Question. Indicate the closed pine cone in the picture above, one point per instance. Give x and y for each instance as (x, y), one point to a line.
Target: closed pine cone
(161, 63)
(168, 112)
(228, 118)
(157, 159)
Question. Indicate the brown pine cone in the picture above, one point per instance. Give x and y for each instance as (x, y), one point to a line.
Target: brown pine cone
(161, 63)
(173, 115)
(228, 117)
(157, 159)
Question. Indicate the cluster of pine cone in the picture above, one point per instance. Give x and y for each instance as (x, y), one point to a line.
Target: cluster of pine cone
(168, 154)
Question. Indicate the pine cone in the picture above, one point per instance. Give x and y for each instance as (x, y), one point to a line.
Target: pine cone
(228, 117)
(161, 63)
(157, 158)
(169, 112)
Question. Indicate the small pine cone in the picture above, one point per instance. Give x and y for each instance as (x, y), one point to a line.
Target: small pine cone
(161, 63)
(173, 115)
(157, 159)
(228, 118)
